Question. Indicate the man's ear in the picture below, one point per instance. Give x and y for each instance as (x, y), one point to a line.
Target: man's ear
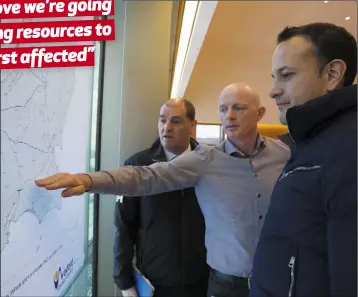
(336, 70)
(261, 113)
(193, 128)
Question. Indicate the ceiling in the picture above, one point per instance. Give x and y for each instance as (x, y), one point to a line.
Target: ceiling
(241, 39)
(256, 23)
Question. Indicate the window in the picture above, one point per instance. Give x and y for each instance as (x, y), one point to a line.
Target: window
(209, 133)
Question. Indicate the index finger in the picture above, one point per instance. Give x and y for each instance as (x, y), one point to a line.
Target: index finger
(67, 181)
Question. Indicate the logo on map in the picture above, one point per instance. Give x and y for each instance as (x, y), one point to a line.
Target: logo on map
(61, 274)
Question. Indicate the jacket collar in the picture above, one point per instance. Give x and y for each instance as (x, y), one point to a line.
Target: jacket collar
(157, 150)
(286, 139)
(307, 120)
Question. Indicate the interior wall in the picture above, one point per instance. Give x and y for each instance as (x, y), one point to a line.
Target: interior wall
(240, 41)
(230, 68)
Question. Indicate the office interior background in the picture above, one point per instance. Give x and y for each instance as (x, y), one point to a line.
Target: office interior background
(184, 49)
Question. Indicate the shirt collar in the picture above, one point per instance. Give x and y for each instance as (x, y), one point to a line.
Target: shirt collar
(171, 156)
(230, 148)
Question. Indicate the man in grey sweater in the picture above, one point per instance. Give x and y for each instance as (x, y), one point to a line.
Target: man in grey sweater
(233, 184)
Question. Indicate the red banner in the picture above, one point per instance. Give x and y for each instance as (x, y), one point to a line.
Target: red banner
(47, 57)
(59, 31)
(9, 9)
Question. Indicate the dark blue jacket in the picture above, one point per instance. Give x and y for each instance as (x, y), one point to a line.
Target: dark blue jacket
(308, 245)
(168, 231)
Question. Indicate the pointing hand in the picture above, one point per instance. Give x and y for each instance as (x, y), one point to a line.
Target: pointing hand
(74, 184)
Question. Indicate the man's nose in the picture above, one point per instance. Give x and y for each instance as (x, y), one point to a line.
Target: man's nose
(276, 92)
(168, 126)
(230, 114)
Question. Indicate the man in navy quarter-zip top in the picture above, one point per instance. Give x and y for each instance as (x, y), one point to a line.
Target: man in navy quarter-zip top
(308, 244)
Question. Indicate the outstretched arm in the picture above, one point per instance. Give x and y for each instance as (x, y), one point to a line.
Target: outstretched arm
(182, 172)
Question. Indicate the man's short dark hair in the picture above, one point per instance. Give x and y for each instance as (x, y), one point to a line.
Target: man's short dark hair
(330, 42)
(190, 109)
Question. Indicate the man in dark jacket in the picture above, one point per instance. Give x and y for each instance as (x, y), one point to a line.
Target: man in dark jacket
(308, 245)
(167, 229)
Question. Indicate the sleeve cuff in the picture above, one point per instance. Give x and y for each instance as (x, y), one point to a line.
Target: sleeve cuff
(99, 182)
(124, 283)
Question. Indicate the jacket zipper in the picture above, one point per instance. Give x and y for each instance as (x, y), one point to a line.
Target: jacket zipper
(301, 168)
(291, 265)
